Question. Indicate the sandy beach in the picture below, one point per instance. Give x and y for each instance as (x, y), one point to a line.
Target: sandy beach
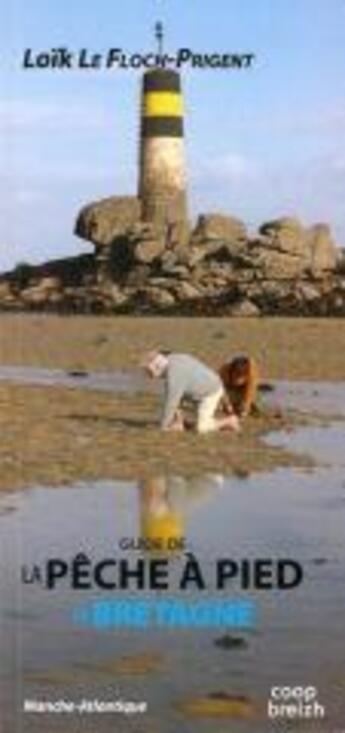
(285, 348)
(54, 435)
(78, 416)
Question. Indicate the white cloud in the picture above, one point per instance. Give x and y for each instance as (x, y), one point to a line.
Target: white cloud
(255, 190)
(325, 118)
(20, 115)
(29, 196)
(231, 168)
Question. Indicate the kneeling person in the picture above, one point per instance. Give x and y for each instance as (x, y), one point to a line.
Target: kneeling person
(186, 376)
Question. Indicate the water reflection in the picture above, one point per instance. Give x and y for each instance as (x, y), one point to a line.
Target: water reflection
(165, 502)
(201, 673)
(118, 381)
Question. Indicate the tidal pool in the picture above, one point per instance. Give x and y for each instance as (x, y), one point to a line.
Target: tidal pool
(213, 678)
(326, 398)
(116, 381)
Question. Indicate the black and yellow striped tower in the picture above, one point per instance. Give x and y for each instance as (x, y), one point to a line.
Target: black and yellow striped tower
(162, 175)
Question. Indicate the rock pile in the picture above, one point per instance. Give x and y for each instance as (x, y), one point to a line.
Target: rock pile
(286, 269)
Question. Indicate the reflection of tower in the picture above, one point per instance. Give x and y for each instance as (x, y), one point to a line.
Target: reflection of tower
(161, 520)
(162, 174)
(165, 502)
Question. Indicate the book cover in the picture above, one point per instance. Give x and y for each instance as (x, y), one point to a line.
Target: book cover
(172, 394)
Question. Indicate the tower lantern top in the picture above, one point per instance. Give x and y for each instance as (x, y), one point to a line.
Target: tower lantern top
(159, 35)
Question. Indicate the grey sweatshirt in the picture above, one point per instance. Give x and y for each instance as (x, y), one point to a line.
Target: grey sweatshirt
(186, 377)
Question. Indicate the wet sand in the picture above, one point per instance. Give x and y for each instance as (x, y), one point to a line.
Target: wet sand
(72, 436)
(285, 348)
(55, 435)
(52, 435)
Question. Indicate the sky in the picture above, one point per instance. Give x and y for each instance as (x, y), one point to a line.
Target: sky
(260, 143)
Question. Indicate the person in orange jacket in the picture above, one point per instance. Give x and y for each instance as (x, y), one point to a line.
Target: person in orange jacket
(240, 378)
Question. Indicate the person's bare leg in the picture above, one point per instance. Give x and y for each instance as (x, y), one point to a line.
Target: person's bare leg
(207, 421)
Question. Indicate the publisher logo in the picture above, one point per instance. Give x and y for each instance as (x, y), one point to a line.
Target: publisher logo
(294, 703)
